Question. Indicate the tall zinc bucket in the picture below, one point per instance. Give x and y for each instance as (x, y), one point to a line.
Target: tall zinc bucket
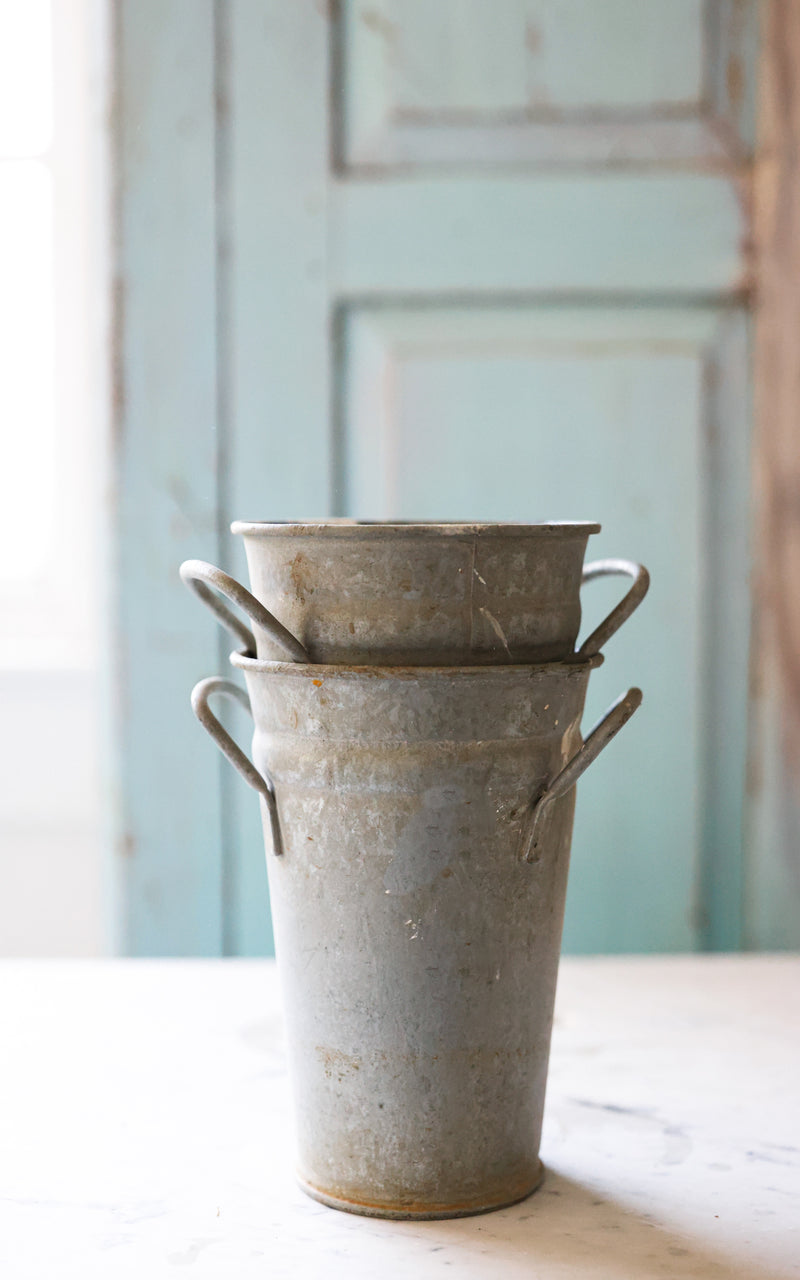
(418, 825)
(397, 594)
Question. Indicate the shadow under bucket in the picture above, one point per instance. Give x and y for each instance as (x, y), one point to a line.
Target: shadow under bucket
(421, 820)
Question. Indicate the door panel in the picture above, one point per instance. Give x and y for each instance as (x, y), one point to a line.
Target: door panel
(463, 82)
(528, 413)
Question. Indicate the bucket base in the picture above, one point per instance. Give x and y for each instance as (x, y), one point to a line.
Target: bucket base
(407, 1212)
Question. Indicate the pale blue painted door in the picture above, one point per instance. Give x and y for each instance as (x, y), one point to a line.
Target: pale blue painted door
(481, 262)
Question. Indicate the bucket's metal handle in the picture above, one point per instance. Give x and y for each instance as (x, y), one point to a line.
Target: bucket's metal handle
(621, 612)
(200, 695)
(617, 715)
(204, 579)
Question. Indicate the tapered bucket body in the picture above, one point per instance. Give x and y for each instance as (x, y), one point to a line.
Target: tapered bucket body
(417, 947)
(420, 594)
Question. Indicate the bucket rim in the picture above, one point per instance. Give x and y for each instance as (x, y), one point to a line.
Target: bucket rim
(247, 662)
(344, 527)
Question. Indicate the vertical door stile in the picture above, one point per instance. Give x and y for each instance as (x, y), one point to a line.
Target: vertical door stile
(278, 370)
(773, 865)
(166, 820)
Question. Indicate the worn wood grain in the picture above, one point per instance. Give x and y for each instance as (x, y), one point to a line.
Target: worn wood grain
(683, 234)
(519, 82)
(166, 815)
(276, 355)
(774, 865)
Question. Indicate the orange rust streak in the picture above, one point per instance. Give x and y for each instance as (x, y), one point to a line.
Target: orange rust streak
(512, 1194)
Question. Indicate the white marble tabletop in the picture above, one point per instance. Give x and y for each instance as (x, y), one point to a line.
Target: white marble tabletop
(145, 1131)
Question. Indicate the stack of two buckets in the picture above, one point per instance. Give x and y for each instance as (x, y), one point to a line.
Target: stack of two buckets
(417, 700)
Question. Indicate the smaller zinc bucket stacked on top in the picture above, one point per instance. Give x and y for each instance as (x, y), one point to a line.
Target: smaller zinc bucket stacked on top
(417, 704)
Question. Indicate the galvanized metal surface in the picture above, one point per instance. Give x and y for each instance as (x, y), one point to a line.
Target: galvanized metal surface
(258, 781)
(201, 577)
(418, 949)
(416, 594)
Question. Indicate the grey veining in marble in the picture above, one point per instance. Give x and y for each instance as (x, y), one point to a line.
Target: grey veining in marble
(145, 1132)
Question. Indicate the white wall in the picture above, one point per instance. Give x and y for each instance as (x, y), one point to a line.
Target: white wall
(52, 897)
(51, 873)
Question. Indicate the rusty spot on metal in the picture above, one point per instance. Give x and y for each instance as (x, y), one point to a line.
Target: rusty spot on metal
(299, 575)
(336, 1063)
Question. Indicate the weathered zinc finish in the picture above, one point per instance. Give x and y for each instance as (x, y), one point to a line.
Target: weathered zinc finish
(418, 946)
(439, 595)
(415, 594)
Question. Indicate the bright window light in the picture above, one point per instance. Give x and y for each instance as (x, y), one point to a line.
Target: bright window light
(26, 383)
(26, 77)
(27, 398)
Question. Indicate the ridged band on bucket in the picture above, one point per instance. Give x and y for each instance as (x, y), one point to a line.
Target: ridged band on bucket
(425, 818)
